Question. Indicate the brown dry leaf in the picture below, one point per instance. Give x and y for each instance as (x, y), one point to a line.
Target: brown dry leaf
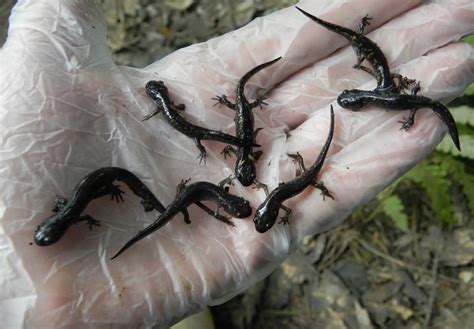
(179, 4)
(334, 306)
(459, 248)
(404, 312)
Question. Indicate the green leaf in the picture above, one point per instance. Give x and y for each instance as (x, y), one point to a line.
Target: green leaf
(469, 39)
(457, 169)
(393, 207)
(469, 90)
(433, 178)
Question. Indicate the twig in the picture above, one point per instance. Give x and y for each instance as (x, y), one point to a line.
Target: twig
(414, 233)
(400, 263)
(429, 306)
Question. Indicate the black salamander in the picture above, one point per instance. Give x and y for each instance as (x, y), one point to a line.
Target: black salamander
(387, 94)
(267, 213)
(356, 99)
(94, 185)
(244, 124)
(195, 193)
(366, 49)
(158, 91)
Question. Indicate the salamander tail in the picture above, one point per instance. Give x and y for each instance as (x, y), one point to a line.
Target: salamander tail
(157, 224)
(324, 151)
(345, 32)
(446, 116)
(246, 77)
(129, 243)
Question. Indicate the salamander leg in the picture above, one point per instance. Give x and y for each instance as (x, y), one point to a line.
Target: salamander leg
(178, 107)
(115, 192)
(90, 221)
(403, 83)
(285, 219)
(152, 114)
(59, 203)
(202, 150)
(109, 189)
(182, 185)
(360, 58)
(227, 151)
(147, 205)
(364, 68)
(152, 203)
(179, 189)
(408, 121)
(259, 185)
(258, 102)
(365, 21)
(256, 155)
(358, 65)
(186, 216)
(415, 87)
(255, 133)
(226, 183)
(297, 158)
(223, 100)
(215, 214)
(324, 191)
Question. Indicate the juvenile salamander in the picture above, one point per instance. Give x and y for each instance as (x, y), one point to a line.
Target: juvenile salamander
(356, 99)
(366, 49)
(158, 91)
(195, 193)
(94, 185)
(267, 213)
(244, 125)
(386, 94)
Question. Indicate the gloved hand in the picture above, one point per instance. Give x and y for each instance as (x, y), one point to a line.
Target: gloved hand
(66, 109)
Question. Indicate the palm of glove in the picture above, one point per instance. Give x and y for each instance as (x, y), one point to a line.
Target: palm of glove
(67, 109)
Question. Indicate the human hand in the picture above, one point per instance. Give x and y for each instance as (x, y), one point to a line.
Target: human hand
(67, 109)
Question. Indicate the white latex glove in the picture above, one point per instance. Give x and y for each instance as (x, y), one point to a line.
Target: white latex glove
(66, 109)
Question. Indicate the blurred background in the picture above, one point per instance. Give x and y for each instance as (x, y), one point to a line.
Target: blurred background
(404, 260)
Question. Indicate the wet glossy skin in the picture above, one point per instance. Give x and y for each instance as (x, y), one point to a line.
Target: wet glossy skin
(94, 185)
(244, 122)
(267, 213)
(159, 93)
(194, 193)
(386, 95)
(356, 99)
(365, 48)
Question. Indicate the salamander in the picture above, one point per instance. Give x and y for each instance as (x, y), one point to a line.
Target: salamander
(158, 91)
(356, 99)
(94, 185)
(366, 49)
(195, 193)
(244, 123)
(267, 213)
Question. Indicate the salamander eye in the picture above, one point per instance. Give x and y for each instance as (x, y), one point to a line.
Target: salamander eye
(342, 101)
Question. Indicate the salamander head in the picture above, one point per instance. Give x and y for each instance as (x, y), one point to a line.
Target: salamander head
(266, 216)
(155, 89)
(352, 99)
(237, 206)
(49, 231)
(245, 171)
